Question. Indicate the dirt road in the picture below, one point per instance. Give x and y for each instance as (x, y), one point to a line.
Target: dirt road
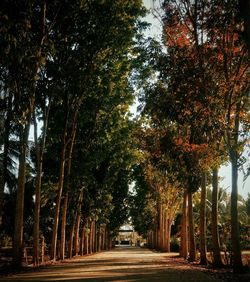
(120, 264)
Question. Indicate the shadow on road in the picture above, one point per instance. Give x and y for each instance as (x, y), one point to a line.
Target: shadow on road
(120, 264)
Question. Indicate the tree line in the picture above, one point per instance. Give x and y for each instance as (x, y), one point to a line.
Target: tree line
(66, 150)
(195, 118)
(75, 165)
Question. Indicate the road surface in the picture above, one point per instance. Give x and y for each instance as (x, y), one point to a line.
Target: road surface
(121, 264)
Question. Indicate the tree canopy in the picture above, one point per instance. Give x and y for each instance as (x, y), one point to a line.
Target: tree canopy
(76, 165)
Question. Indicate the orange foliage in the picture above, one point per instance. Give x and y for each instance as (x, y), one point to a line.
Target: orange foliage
(187, 147)
(177, 35)
(202, 155)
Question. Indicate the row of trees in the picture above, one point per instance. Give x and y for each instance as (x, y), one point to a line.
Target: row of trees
(65, 68)
(70, 68)
(195, 118)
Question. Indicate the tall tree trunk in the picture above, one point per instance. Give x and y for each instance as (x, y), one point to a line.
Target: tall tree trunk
(168, 231)
(24, 135)
(77, 227)
(203, 245)
(39, 155)
(82, 243)
(18, 231)
(235, 235)
(87, 240)
(184, 230)
(192, 249)
(164, 230)
(103, 237)
(62, 174)
(36, 228)
(58, 201)
(63, 227)
(71, 237)
(78, 221)
(82, 248)
(74, 230)
(160, 227)
(67, 184)
(234, 158)
(99, 238)
(94, 237)
(91, 224)
(157, 238)
(217, 261)
(107, 239)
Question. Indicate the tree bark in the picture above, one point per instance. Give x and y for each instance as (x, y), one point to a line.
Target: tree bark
(168, 230)
(77, 227)
(184, 230)
(58, 201)
(91, 237)
(67, 184)
(160, 227)
(63, 227)
(103, 237)
(164, 230)
(71, 237)
(78, 221)
(234, 158)
(235, 235)
(94, 237)
(61, 176)
(36, 228)
(82, 241)
(217, 261)
(87, 234)
(106, 238)
(18, 231)
(86, 240)
(39, 155)
(203, 245)
(99, 238)
(192, 249)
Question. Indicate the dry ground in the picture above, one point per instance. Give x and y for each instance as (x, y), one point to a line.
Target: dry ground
(124, 264)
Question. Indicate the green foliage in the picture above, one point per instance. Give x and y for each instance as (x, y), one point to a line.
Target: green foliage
(224, 219)
(74, 59)
(143, 205)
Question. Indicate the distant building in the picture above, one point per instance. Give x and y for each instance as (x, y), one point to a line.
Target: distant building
(128, 237)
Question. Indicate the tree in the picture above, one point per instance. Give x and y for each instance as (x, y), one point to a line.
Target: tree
(203, 245)
(23, 34)
(191, 31)
(78, 53)
(215, 232)
(234, 64)
(87, 64)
